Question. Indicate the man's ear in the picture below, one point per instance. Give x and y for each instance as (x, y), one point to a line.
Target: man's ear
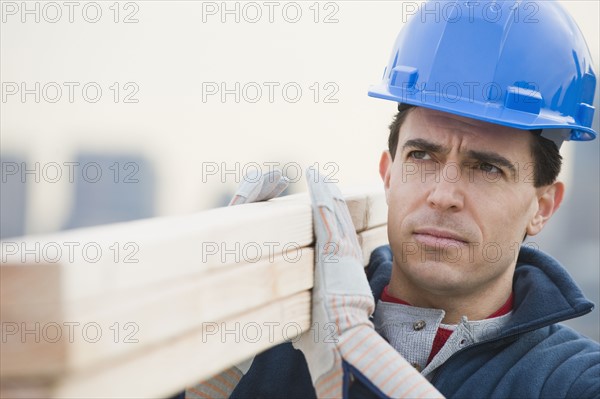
(385, 168)
(549, 199)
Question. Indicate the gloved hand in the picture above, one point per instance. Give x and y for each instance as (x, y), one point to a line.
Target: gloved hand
(342, 302)
(254, 187)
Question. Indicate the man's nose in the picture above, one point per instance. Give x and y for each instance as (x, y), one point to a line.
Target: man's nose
(446, 191)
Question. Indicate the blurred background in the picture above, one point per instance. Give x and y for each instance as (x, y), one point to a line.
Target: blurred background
(114, 111)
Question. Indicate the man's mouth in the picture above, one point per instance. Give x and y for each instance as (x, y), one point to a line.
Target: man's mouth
(434, 237)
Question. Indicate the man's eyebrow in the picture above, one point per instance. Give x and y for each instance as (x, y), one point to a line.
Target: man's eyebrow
(480, 156)
(492, 158)
(423, 145)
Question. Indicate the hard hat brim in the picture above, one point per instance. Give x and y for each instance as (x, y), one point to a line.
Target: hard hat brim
(487, 112)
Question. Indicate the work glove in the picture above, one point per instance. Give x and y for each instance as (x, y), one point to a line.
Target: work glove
(254, 187)
(341, 305)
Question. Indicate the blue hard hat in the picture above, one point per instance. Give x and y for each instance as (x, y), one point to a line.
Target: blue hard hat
(519, 64)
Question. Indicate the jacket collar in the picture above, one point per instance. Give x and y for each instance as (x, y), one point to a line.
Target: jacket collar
(544, 293)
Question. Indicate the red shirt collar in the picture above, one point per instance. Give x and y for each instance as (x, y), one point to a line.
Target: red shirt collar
(504, 309)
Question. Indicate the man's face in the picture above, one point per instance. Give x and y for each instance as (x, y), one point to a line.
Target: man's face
(461, 198)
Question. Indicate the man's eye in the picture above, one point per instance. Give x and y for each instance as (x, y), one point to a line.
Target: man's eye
(421, 155)
(489, 168)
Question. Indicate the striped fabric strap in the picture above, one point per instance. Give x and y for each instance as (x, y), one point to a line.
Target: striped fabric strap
(367, 352)
(378, 362)
(219, 386)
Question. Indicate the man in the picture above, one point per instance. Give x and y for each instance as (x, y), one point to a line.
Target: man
(485, 100)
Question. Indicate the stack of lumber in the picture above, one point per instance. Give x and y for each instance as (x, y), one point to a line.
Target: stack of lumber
(146, 308)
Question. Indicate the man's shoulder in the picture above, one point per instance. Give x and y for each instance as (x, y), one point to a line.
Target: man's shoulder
(379, 269)
(567, 362)
(552, 361)
(561, 343)
(278, 372)
(569, 346)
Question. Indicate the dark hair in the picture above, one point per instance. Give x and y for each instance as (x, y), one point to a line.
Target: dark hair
(544, 152)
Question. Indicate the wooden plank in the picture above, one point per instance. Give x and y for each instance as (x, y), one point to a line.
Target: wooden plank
(166, 369)
(367, 205)
(133, 320)
(99, 260)
(140, 253)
